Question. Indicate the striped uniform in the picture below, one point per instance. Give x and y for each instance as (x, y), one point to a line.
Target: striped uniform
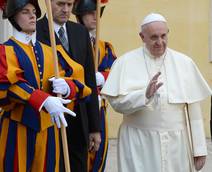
(97, 160)
(29, 141)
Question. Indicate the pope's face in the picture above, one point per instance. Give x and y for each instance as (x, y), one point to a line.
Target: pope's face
(155, 37)
(26, 19)
(61, 10)
(89, 20)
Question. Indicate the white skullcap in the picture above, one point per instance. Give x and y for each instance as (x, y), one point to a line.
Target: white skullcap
(153, 17)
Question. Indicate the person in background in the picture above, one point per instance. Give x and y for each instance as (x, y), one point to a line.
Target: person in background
(76, 41)
(31, 113)
(85, 11)
(151, 86)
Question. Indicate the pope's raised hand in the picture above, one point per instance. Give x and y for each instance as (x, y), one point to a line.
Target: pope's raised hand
(153, 86)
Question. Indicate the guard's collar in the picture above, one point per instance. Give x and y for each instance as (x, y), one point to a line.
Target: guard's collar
(24, 37)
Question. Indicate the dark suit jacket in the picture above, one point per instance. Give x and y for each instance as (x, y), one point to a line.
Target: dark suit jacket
(88, 118)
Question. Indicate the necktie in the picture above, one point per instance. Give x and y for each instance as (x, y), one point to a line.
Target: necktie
(63, 39)
(93, 41)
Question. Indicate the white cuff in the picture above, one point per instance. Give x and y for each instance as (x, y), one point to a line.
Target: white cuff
(100, 80)
(148, 101)
(68, 92)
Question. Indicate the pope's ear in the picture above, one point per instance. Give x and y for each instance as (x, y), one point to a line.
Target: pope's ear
(141, 35)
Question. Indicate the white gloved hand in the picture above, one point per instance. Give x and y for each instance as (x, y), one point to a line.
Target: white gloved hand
(54, 105)
(60, 86)
(100, 80)
(100, 101)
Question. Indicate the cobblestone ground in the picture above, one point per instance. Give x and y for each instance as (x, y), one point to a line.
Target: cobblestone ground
(112, 159)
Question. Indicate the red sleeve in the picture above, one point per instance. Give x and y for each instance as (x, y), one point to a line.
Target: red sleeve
(72, 88)
(37, 98)
(105, 74)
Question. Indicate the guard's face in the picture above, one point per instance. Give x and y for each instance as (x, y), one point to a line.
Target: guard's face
(61, 10)
(89, 20)
(26, 19)
(155, 36)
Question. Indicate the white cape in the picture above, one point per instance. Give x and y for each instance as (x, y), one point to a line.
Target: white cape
(129, 73)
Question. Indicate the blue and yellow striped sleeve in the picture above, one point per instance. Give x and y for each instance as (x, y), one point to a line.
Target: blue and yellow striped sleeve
(74, 74)
(107, 57)
(13, 87)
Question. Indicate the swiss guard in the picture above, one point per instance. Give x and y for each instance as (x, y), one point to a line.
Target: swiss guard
(32, 114)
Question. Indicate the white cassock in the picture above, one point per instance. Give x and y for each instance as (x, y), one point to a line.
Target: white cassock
(153, 136)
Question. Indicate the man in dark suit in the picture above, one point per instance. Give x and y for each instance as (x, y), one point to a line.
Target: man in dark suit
(75, 40)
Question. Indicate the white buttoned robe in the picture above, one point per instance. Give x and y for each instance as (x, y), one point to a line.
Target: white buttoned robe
(153, 136)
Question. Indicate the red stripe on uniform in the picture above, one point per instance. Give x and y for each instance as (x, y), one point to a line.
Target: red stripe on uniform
(72, 88)
(37, 98)
(3, 64)
(105, 74)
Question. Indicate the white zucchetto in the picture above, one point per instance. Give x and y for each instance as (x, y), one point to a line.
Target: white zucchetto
(153, 17)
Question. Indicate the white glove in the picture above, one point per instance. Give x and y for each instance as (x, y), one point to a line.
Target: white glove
(100, 101)
(54, 105)
(60, 86)
(100, 80)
